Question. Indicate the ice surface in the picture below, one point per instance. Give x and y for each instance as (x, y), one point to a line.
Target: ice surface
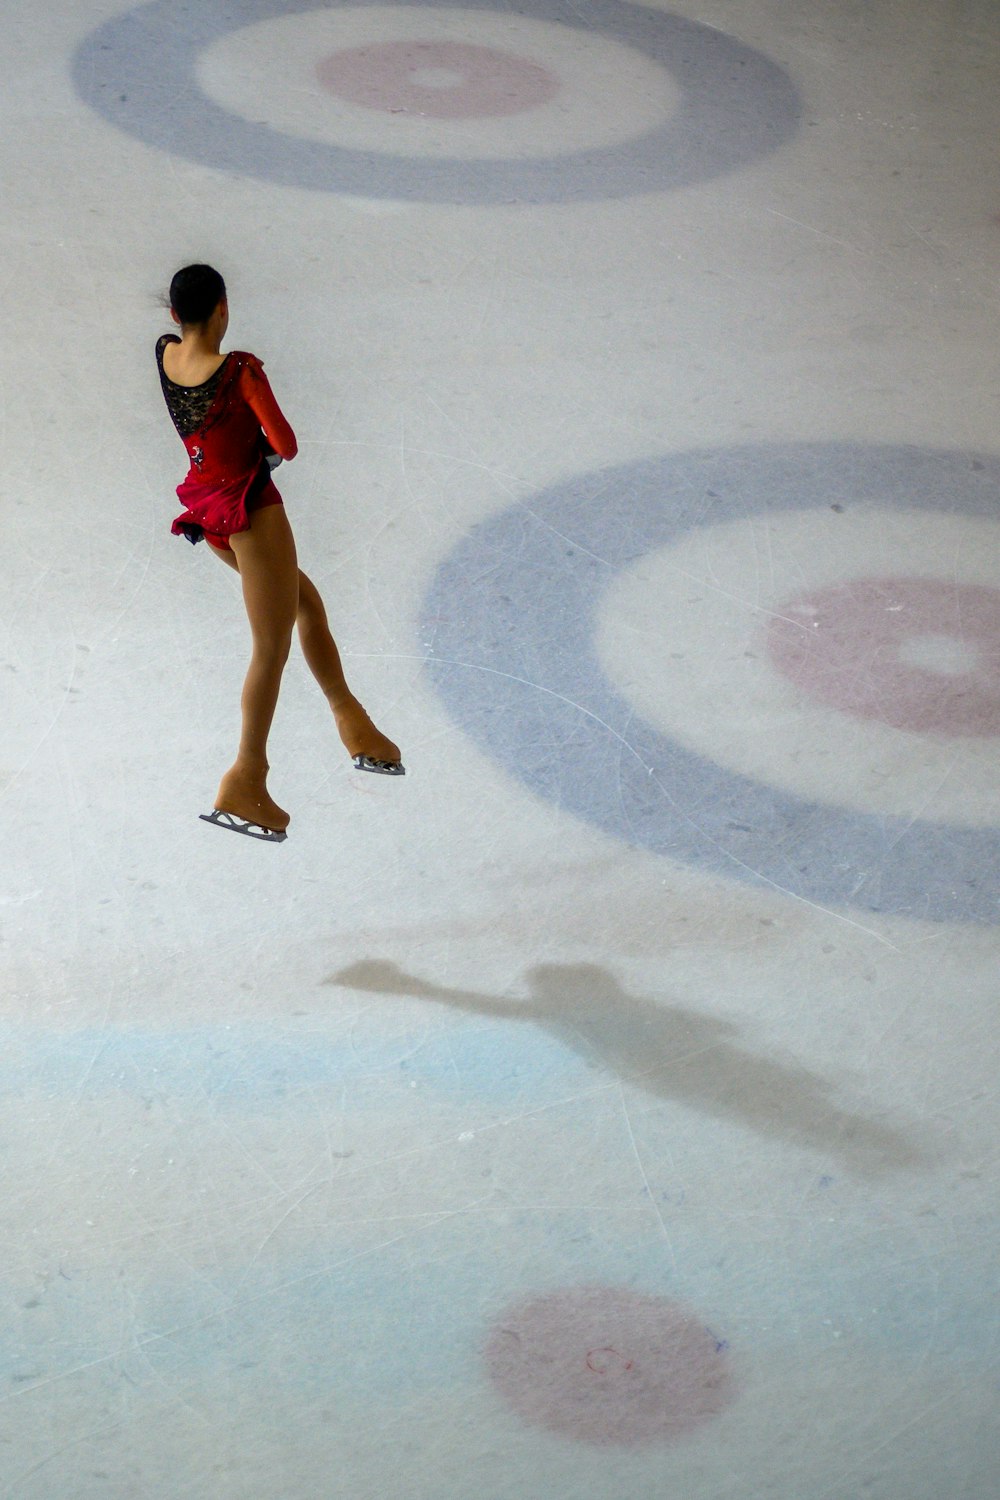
(466, 1145)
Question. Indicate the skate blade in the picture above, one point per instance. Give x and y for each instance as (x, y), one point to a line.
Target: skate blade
(380, 767)
(233, 824)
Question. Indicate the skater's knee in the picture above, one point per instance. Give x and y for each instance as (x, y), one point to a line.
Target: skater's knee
(313, 629)
(312, 615)
(272, 646)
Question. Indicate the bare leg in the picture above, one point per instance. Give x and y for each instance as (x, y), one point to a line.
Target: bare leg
(319, 648)
(265, 557)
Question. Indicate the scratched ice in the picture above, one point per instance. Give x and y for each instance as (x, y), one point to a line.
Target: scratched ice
(607, 1107)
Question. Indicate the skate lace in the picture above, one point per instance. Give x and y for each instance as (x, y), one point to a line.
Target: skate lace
(188, 405)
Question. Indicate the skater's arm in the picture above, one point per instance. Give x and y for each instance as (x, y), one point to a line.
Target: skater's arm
(256, 391)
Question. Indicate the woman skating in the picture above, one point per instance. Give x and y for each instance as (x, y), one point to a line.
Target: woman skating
(234, 432)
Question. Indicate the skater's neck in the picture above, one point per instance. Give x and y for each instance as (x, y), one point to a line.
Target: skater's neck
(204, 340)
(197, 345)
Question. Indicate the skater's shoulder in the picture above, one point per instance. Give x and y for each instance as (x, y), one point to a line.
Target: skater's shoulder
(249, 369)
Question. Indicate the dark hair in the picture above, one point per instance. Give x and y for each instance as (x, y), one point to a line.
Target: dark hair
(195, 293)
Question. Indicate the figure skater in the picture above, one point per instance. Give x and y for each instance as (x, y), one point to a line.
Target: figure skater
(235, 433)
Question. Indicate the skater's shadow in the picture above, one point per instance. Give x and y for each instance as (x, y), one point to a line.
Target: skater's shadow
(672, 1052)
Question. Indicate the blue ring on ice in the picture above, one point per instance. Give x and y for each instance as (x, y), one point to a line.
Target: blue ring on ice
(512, 614)
(138, 71)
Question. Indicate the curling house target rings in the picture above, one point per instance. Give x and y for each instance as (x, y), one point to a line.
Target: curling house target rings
(735, 105)
(511, 617)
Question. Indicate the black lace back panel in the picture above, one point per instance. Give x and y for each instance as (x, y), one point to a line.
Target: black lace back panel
(188, 405)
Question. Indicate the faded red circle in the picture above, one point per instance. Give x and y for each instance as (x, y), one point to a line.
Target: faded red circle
(608, 1366)
(920, 654)
(448, 80)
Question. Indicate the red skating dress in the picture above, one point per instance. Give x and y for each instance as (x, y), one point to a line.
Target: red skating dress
(229, 425)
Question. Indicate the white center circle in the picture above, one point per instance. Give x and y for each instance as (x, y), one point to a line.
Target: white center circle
(683, 635)
(436, 78)
(945, 654)
(609, 93)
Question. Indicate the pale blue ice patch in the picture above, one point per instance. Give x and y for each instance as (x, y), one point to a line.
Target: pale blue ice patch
(413, 1308)
(264, 1066)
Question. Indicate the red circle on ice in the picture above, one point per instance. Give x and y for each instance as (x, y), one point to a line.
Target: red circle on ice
(920, 654)
(608, 1366)
(448, 80)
